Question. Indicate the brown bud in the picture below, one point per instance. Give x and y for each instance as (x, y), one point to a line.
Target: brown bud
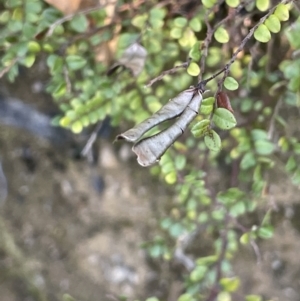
(223, 101)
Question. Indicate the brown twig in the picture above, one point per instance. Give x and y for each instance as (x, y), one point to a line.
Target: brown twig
(70, 17)
(167, 72)
(210, 32)
(91, 140)
(7, 68)
(243, 43)
(215, 289)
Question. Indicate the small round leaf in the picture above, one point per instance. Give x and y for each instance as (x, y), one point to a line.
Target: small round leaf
(75, 62)
(262, 34)
(209, 3)
(230, 83)
(193, 69)
(264, 147)
(224, 119)
(230, 284)
(200, 128)
(282, 12)
(245, 238)
(233, 3)
(273, 24)
(195, 24)
(76, 127)
(213, 141)
(221, 35)
(180, 22)
(262, 5)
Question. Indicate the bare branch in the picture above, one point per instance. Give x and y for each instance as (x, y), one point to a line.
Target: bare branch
(167, 72)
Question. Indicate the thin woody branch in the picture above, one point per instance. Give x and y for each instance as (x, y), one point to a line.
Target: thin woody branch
(167, 72)
(243, 43)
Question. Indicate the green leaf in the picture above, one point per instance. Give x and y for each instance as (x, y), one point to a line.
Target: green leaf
(176, 33)
(291, 164)
(77, 127)
(230, 83)
(55, 63)
(273, 24)
(17, 14)
(157, 13)
(262, 34)
(152, 299)
(176, 230)
(207, 105)
(282, 12)
(156, 17)
(198, 273)
(293, 33)
(262, 5)
(75, 62)
(224, 296)
(195, 24)
(33, 46)
(193, 69)
(79, 23)
(264, 147)
(207, 260)
(180, 162)
(212, 141)
(209, 3)
(28, 61)
(245, 238)
(180, 22)
(230, 196)
(139, 21)
(238, 209)
(224, 119)
(67, 297)
(171, 177)
(233, 3)
(253, 298)
(4, 17)
(265, 232)
(195, 52)
(65, 121)
(230, 284)
(258, 134)
(200, 128)
(186, 297)
(221, 35)
(248, 161)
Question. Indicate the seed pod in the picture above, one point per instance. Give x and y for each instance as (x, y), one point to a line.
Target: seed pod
(223, 101)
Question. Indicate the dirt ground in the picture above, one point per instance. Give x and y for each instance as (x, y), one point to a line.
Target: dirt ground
(68, 227)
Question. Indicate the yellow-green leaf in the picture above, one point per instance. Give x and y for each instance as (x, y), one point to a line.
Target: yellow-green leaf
(77, 127)
(33, 46)
(262, 34)
(29, 60)
(212, 141)
(224, 119)
(230, 83)
(221, 35)
(233, 3)
(230, 284)
(171, 177)
(200, 128)
(195, 24)
(273, 24)
(262, 5)
(193, 69)
(209, 3)
(282, 12)
(245, 238)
